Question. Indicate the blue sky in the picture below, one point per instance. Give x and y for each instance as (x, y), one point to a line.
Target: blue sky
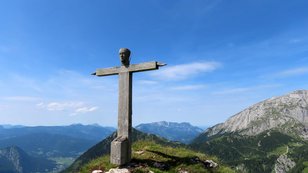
(222, 57)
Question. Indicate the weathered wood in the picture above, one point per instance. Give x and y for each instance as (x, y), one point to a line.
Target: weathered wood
(125, 110)
(107, 71)
(121, 146)
(125, 104)
(146, 66)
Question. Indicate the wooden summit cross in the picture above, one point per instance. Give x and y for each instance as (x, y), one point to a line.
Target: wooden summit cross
(121, 146)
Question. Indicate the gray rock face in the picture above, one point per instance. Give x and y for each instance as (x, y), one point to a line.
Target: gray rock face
(13, 156)
(283, 164)
(288, 113)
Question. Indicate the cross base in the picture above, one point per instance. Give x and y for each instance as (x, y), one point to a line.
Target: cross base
(120, 151)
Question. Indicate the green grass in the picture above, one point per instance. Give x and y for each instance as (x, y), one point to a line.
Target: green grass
(62, 162)
(101, 163)
(305, 163)
(147, 153)
(305, 170)
(306, 167)
(278, 151)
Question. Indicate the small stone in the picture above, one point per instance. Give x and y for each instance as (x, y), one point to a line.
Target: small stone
(183, 171)
(139, 152)
(117, 170)
(97, 171)
(210, 164)
(161, 166)
(180, 170)
(195, 160)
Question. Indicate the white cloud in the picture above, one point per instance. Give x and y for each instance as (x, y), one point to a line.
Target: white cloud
(189, 87)
(245, 89)
(292, 72)
(295, 40)
(184, 71)
(147, 82)
(73, 108)
(2, 106)
(233, 90)
(56, 106)
(41, 105)
(84, 110)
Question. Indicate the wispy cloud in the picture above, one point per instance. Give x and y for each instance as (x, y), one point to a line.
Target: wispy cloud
(184, 71)
(292, 72)
(2, 106)
(244, 89)
(188, 87)
(26, 82)
(21, 98)
(147, 82)
(295, 40)
(233, 90)
(86, 109)
(73, 108)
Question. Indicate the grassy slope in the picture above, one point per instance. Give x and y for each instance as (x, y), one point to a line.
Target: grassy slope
(92, 159)
(147, 154)
(103, 148)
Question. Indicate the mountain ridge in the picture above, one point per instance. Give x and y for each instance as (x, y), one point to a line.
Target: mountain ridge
(183, 132)
(92, 132)
(288, 110)
(269, 136)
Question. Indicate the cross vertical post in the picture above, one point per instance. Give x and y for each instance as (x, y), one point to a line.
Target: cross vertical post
(120, 152)
(124, 114)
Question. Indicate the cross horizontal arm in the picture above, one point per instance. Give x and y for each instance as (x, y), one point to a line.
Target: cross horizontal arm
(144, 66)
(107, 71)
(132, 68)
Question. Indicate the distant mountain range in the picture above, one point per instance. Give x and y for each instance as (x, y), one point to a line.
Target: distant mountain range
(182, 132)
(270, 136)
(90, 132)
(59, 144)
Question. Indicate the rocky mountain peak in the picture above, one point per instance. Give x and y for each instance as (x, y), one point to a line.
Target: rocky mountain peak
(288, 113)
(13, 154)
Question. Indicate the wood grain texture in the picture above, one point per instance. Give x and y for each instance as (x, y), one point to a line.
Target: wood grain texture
(121, 151)
(132, 68)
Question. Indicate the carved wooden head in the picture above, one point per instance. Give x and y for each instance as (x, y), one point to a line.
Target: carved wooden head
(124, 54)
